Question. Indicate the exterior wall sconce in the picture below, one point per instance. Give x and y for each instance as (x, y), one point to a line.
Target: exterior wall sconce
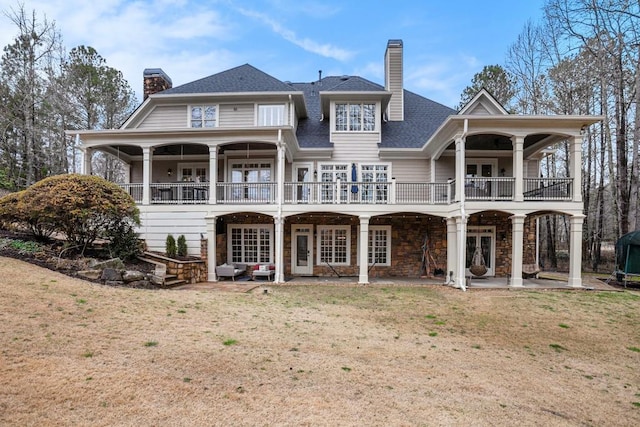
(169, 172)
(315, 175)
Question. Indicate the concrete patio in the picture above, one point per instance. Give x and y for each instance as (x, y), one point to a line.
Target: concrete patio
(554, 280)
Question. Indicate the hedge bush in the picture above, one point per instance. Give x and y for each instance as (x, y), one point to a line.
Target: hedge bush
(82, 207)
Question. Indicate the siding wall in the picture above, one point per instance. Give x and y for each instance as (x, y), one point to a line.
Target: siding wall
(157, 225)
(355, 147)
(166, 116)
(242, 116)
(411, 170)
(445, 169)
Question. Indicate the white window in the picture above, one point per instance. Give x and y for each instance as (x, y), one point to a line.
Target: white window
(203, 116)
(380, 245)
(194, 172)
(334, 244)
(329, 174)
(250, 243)
(271, 115)
(378, 175)
(355, 117)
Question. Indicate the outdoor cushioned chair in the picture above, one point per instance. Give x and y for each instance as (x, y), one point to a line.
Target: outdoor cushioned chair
(231, 270)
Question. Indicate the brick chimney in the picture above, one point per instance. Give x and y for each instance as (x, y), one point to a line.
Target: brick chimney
(393, 80)
(155, 80)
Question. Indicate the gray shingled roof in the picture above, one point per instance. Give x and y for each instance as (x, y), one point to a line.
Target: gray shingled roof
(422, 116)
(244, 78)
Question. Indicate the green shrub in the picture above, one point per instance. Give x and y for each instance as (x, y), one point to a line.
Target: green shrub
(123, 242)
(15, 212)
(182, 246)
(170, 246)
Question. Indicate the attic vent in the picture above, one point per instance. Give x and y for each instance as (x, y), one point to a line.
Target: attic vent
(344, 77)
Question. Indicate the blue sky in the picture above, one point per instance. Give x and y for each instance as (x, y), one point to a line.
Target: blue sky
(445, 42)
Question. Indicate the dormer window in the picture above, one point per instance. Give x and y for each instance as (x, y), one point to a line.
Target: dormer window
(354, 117)
(203, 116)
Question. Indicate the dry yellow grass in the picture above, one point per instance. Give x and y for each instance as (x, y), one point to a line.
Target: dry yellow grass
(75, 353)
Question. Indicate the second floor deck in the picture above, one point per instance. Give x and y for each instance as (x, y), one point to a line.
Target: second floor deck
(361, 193)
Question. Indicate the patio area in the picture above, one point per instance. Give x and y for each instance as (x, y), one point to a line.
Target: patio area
(555, 281)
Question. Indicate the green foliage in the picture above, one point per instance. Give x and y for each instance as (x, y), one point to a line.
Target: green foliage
(170, 246)
(23, 247)
(494, 78)
(124, 242)
(81, 207)
(182, 246)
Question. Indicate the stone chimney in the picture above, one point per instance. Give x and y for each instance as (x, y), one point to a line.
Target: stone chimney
(155, 80)
(393, 80)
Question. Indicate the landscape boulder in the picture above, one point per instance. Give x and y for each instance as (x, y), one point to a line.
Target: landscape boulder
(133, 276)
(111, 275)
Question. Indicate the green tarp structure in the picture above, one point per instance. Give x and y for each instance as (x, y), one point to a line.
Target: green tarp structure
(628, 253)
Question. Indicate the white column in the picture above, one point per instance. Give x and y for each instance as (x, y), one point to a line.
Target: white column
(280, 175)
(87, 155)
(279, 255)
(517, 231)
(127, 173)
(211, 249)
(575, 251)
(575, 162)
(146, 175)
(363, 244)
(452, 250)
(213, 174)
(518, 167)
(461, 226)
(460, 168)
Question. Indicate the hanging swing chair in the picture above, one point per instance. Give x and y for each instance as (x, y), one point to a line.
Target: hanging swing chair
(478, 266)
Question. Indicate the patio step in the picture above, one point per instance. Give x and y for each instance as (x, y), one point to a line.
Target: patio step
(171, 280)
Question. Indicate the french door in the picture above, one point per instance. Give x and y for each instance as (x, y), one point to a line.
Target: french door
(302, 249)
(303, 176)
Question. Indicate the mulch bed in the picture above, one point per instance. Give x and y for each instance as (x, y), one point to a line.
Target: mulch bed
(69, 263)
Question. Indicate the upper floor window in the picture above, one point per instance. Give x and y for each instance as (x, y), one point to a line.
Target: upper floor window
(271, 115)
(203, 116)
(355, 117)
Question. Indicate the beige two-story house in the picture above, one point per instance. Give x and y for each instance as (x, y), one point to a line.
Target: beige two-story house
(343, 176)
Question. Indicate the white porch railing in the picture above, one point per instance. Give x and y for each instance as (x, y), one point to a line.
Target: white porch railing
(440, 193)
(548, 189)
(479, 188)
(246, 193)
(181, 193)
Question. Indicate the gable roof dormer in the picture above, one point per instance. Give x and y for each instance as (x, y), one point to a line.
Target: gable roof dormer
(351, 88)
(483, 104)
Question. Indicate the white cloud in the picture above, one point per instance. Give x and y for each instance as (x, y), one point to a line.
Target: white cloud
(441, 78)
(326, 50)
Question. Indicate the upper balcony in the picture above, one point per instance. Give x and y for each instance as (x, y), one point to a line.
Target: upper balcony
(358, 193)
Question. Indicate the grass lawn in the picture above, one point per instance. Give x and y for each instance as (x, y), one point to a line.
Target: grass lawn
(76, 353)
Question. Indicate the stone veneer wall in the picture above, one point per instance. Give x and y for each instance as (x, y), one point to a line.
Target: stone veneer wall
(407, 237)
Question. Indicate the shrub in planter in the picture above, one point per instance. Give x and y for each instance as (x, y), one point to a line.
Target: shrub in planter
(182, 246)
(170, 246)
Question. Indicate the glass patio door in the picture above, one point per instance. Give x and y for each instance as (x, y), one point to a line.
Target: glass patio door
(302, 250)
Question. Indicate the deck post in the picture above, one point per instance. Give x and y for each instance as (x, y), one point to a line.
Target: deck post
(363, 278)
(213, 174)
(279, 249)
(146, 175)
(211, 249)
(518, 167)
(517, 229)
(575, 251)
